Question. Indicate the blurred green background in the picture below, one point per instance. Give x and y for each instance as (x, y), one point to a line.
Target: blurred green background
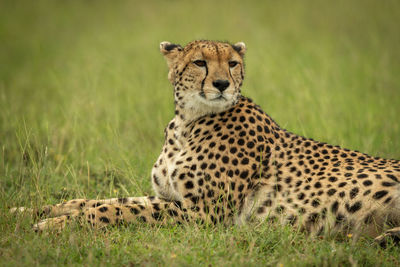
(84, 94)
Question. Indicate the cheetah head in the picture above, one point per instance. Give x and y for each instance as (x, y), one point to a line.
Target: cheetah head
(206, 75)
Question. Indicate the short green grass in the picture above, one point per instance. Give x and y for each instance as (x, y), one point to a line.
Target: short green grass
(84, 98)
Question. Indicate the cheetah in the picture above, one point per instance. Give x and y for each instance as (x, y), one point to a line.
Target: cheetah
(224, 160)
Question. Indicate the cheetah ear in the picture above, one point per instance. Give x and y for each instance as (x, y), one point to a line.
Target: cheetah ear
(240, 48)
(170, 51)
(167, 48)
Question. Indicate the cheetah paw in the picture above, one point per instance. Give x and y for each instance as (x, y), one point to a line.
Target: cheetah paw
(391, 235)
(21, 210)
(56, 223)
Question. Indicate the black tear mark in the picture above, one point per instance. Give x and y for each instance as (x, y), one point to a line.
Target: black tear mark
(202, 82)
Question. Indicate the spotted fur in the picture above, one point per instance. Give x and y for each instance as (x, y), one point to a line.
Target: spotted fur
(224, 160)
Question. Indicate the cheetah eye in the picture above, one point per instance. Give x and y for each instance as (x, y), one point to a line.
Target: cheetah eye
(232, 64)
(200, 63)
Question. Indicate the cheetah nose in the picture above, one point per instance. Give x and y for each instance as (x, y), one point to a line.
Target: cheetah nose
(221, 85)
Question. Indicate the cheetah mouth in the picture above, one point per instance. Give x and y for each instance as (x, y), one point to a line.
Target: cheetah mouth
(220, 97)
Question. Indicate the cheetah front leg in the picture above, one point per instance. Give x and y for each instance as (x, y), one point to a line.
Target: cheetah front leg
(70, 206)
(150, 210)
